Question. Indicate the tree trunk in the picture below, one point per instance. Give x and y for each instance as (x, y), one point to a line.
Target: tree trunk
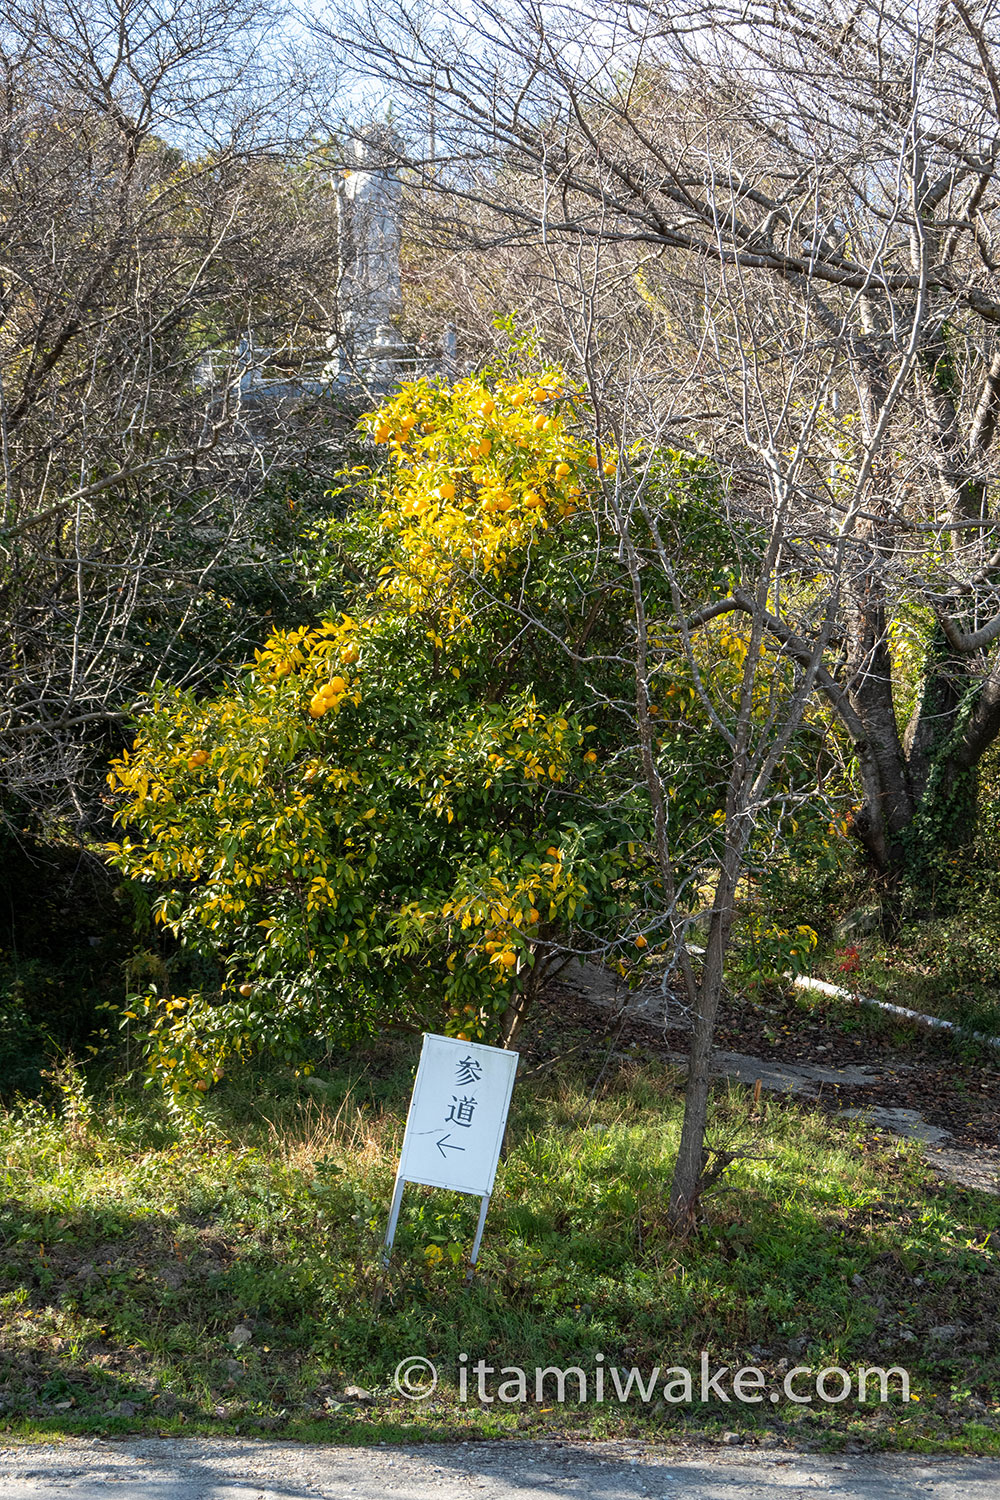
(513, 1019)
(689, 1168)
(921, 793)
(531, 982)
(887, 809)
(945, 785)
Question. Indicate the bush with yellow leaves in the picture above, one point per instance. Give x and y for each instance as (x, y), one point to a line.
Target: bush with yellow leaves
(398, 816)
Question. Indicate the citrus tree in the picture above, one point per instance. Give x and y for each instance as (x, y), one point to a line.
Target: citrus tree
(405, 814)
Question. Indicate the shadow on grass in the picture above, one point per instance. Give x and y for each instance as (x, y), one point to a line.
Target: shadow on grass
(199, 1319)
(111, 1318)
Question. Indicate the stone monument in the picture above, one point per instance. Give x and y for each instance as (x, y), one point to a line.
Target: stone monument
(368, 227)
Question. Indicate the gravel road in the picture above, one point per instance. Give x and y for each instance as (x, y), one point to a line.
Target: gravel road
(196, 1469)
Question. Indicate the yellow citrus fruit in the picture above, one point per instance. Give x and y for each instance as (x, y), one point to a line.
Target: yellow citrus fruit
(337, 685)
(611, 466)
(562, 470)
(533, 500)
(540, 393)
(317, 707)
(487, 407)
(485, 447)
(445, 491)
(591, 460)
(590, 757)
(503, 503)
(508, 958)
(541, 422)
(350, 654)
(552, 852)
(246, 990)
(640, 942)
(517, 398)
(533, 914)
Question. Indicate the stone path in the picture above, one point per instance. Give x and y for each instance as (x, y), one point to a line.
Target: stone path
(975, 1168)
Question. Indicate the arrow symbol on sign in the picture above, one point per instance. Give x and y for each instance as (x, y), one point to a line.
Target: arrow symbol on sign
(443, 1146)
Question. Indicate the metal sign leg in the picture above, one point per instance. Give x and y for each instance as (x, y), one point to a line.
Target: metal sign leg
(483, 1210)
(390, 1233)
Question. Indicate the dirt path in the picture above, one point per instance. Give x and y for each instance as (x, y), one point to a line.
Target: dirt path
(923, 1096)
(202, 1469)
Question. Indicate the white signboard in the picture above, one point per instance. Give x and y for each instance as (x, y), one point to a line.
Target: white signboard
(457, 1115)
(455, 1126)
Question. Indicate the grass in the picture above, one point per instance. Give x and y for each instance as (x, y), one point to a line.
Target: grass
(779, 1011)
(945, 966)
(135, 1247)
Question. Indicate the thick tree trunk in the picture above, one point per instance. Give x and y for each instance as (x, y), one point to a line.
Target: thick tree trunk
(920, 793)
(887, 810)
(944, 781)
(920, 799)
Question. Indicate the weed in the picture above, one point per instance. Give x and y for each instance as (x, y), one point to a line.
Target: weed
(134, 1250)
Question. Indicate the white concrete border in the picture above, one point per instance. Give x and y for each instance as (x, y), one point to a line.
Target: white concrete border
(931, 1023)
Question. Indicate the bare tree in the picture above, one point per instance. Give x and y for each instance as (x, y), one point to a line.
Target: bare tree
(770, 231)
(157, 205)
(808, 164)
